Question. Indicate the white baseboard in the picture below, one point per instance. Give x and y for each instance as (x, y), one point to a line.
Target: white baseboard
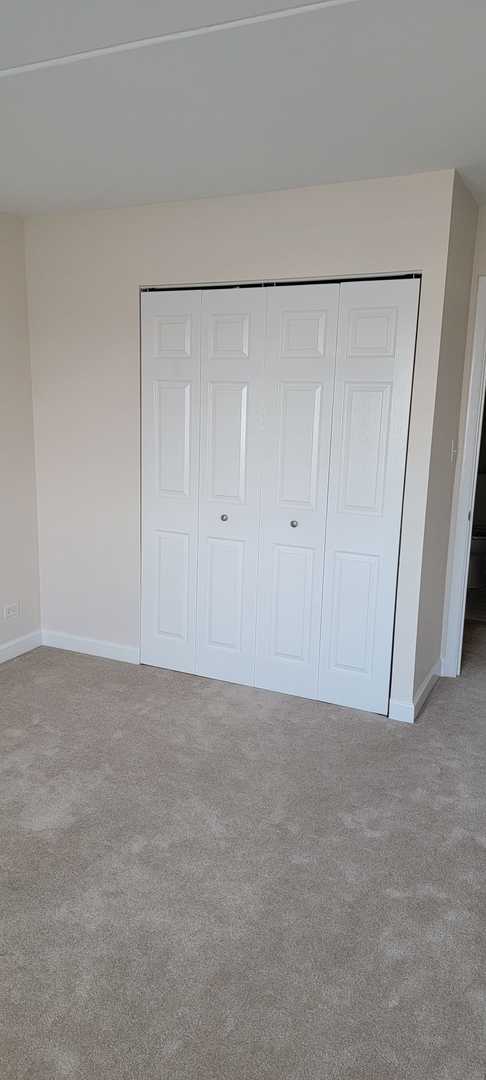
(20, 645)
(109, 650)
(425, 688)
(407, 711)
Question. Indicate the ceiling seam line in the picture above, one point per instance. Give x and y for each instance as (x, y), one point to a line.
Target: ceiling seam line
(177, 35)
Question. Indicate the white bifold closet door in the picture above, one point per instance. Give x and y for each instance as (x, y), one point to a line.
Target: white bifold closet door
(232, 344)
(298, 390)
(171, 373)
(274, 437)
(374, 368)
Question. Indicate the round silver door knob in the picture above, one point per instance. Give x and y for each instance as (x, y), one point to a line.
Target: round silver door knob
(293, 524)
(224, 517)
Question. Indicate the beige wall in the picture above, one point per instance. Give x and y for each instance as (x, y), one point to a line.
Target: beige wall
(18, 532)
(446, 429)
(84, 273)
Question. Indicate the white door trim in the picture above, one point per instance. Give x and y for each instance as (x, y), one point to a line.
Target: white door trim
(454, 628)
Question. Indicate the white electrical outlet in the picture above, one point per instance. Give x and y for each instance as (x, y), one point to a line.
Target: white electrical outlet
(11, 611)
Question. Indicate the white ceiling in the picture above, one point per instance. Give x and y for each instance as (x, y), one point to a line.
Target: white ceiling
(348, 90)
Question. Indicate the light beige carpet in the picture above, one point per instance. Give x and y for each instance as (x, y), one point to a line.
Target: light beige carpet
(207, 882)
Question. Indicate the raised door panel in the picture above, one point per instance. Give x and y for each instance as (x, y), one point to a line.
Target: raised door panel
(226, 559)
(353, 609)
(173, 333)
(372, 332)
(297, 394)
(374, 369)
(173, 584)
(228, 335)
(227, 435)
(170, 476)
(364, 449)
(298, 443)
(229, 505)
(292, 602)
(303, 332)
(172, 405)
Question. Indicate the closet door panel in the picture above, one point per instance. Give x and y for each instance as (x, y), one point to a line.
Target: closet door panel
(229, 504)
(374, 368)
(298, 387)
(225, 621)
(292, 581)
(170, 476)
(226, 443)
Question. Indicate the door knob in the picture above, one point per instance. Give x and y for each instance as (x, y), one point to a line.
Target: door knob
(293, 524)
(224, 517)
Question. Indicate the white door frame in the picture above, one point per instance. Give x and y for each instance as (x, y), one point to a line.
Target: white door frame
(459, 567)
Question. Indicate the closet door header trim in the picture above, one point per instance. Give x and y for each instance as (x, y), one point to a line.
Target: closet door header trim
(273, 283)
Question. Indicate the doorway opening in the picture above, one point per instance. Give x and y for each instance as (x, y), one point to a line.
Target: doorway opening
(476, 579)
(474, 640)
(465, 631)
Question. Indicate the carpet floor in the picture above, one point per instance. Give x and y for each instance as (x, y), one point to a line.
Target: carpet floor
(202, 881)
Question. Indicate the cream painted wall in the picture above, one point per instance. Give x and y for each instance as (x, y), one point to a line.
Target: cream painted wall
(464, 220)
(19, 578)
(84, 273)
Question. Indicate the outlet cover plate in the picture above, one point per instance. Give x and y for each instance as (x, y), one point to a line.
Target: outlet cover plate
(11, 611)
